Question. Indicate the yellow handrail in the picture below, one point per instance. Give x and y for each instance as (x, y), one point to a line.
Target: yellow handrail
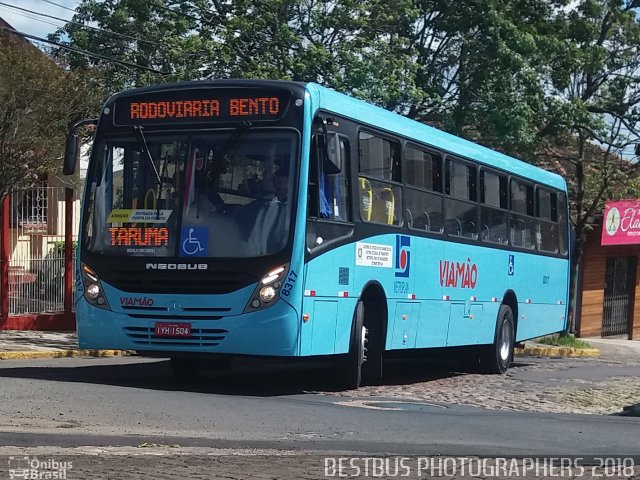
(389, 204)
(366, 199)
(154, 199)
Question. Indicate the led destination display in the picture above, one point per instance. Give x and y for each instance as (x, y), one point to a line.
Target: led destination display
(199, 106)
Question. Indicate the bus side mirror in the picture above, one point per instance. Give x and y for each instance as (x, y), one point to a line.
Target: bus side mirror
(71, 147)
(70, 154)
(333, 154)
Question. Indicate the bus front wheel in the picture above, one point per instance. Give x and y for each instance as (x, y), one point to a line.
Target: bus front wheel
(497, 357)
(351, 366)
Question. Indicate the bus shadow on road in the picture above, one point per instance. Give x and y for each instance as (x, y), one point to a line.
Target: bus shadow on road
(246, 377)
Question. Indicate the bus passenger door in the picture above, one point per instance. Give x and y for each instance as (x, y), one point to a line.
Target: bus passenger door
(330, 297)
(465, 324)
(405, 325)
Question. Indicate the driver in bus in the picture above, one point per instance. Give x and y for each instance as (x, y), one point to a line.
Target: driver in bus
(267, 234)
(281, 185)
(203, 207)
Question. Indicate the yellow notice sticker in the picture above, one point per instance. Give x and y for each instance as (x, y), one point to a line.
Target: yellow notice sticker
(139, 216)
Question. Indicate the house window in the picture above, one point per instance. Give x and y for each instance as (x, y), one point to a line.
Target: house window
(29, 210)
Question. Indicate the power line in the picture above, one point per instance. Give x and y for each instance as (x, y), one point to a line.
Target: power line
(31, 17)
(83, 52)
(177, 12)
(79, 23)
(58, 5)
(162, 7)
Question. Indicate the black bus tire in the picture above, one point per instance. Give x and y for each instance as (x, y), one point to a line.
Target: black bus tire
(351, 365)
(497, 357)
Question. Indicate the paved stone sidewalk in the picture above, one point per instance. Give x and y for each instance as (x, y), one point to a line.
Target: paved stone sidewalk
(589, 386)
(28, 345)
(18, 341)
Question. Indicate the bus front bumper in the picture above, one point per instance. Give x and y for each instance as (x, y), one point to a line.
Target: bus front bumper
(271, 332)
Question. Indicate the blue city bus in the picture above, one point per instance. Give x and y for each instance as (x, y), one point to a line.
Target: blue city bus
(283, 219)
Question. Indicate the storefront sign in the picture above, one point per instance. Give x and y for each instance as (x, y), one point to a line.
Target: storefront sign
(621, 224)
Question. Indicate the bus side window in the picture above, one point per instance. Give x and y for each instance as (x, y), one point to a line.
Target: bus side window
(494, 215)
(547, 213)
(461, 211)
(335, 190)
(313, 209)
(523, 224)
(423, 195)
(380, 199)
(329, 197)
(329, 193)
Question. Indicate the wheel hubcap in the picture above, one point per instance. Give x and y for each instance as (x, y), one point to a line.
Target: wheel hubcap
(365, 339)
(505, 342)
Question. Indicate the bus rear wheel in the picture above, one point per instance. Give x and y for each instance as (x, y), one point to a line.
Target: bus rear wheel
(497, 357)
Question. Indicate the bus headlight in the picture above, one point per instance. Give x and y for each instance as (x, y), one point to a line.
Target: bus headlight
(267, 291)
(267, 294)
(93, 291)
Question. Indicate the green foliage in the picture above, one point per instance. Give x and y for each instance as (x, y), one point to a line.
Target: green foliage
(57, 251)
(564, 341)
(37, 102)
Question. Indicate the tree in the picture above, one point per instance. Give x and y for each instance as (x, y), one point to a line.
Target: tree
(37, 102)
(138, 42)
(592, 106)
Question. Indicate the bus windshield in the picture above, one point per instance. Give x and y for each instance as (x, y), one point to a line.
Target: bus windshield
(216, 194)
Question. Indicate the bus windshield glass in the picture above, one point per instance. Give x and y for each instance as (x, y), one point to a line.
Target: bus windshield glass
(219, 194)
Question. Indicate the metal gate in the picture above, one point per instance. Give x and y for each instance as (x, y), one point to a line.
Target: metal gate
(36, 258)
(619, 291)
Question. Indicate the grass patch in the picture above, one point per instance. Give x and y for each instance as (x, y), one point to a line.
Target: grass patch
(564, 341)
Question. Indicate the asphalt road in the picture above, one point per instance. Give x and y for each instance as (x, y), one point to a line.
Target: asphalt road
(132, 401)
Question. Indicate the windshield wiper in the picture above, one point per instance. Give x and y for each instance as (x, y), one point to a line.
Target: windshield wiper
(145, 151)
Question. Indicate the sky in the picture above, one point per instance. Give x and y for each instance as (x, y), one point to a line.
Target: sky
(35, 24)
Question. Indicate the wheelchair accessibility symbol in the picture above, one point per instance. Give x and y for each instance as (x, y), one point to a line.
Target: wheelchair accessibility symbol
(194, 241)
(512, 268)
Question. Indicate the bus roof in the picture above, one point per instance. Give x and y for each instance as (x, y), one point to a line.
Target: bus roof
(328, 99)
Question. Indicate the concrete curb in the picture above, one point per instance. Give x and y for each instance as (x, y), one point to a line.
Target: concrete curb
(536, 351)
(38, 354)
(558, 352)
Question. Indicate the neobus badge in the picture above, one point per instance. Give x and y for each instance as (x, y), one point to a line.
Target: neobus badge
(177, 266)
